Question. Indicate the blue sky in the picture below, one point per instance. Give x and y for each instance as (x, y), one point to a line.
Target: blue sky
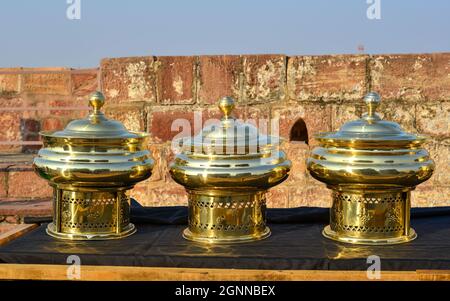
(38, 33)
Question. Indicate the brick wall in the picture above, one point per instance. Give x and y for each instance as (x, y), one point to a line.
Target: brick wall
(308, 94)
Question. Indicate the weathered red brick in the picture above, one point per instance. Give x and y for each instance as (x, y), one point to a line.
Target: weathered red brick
(440, 153)
(430, 195)
(264, 78)
(17, 165)
(54, 83)
(67, 107)
(84, 82)
(128, 79)
(343, 113)
(9, 83)
(10, 126)
(26, 207)
(396, 111)
(3, 184)
(12, 219)
(310, 194)
(16, 102)
(411, 76)
(16, 162)
(161, 193)
(30, 125)
(29, 129)
(176, 79)
(52, 124)
(402, 113)
(27, 184)
(10, 123)
(219, 77)
(258, 115)
(139, 192)
(214, 114)
(161, 120)
(327, 78)
(297, 152)
(10, 131)
(317, 118)
(165, 194)
(133, 117)
(30, 106)
(278, 197)
(42, 69)
(161, 123)
(163, 155)
(433, 118)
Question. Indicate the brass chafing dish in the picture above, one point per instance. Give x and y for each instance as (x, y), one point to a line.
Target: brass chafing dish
(91, 164)
(371, 166)
(226, 170)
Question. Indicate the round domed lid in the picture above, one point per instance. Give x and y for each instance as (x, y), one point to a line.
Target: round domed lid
(229, 136)
(96, 125)
(370, 129)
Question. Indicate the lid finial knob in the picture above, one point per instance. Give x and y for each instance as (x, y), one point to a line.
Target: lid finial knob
(226, 105)
(96, 101)
(372, 100)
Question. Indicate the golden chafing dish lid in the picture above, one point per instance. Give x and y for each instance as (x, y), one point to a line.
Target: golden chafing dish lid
(370, 129)
(229, 136)
(95, 125)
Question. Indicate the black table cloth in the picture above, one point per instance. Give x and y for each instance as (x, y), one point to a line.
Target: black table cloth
(296, 243)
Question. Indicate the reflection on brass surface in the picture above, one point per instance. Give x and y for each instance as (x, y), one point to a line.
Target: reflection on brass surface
(226, 170)
(91, 164)
(371, 165)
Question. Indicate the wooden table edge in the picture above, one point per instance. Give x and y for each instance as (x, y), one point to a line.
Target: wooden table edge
(129, 273)
(16, 232)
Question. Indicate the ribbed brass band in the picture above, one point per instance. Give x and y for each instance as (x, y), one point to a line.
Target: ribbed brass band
(370, 217)
(83, 215)
(231, 218)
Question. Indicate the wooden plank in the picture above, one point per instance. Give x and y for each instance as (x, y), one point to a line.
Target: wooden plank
(121, 273)
(16, 232)
(434, 275)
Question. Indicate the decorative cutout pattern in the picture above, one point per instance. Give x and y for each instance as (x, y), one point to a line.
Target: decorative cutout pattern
(374, 213)
(237, 215)
(93, 212)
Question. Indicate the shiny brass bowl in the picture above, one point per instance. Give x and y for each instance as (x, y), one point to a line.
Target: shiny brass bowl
(226, 170)
(371, 165)
(91, 164)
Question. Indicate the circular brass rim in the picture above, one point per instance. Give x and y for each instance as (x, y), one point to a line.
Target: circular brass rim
(128, 230)
(187, 234)
(330, 234)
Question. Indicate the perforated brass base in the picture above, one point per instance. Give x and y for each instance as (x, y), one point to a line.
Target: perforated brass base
(328, 233)
(127, 231)
(370, 217)
(187, 234)
(226, 217)
(90, 215)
